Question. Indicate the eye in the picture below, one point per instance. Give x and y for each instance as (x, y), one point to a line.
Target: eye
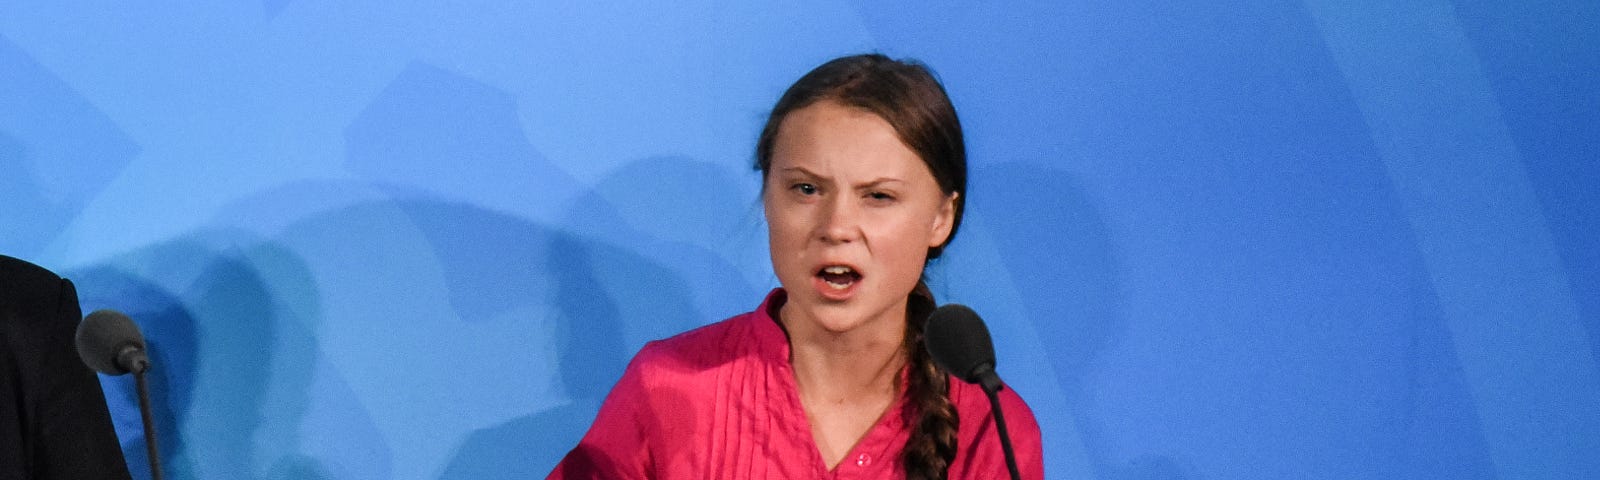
(804, 188)
(880, 197)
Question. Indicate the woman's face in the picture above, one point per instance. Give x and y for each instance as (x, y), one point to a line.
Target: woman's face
(851, 212)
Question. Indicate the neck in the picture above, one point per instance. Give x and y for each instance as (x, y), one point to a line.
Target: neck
(856, 366)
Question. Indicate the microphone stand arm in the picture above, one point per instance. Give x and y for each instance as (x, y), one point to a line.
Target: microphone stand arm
(149, 422)
(990, 382)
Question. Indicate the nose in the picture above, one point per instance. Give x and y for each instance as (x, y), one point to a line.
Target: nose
(840, 221)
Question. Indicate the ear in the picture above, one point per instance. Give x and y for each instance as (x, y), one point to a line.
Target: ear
(943, 221)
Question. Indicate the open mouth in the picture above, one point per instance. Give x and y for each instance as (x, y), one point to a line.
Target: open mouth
(839, 277)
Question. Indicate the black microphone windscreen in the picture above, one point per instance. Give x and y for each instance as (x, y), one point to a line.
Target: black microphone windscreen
(103, 336)
(958, 341)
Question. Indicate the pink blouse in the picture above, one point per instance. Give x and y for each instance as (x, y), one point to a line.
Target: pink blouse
(720, 402)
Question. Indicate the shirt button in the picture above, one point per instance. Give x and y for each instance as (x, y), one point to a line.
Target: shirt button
(863, 460)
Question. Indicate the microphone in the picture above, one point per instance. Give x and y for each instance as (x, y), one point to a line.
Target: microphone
(959, 342)
(110, 343)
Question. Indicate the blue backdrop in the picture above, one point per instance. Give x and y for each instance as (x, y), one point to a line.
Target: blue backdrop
(1215, 240)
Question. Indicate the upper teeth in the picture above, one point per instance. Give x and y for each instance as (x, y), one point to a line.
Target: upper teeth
(837, 270)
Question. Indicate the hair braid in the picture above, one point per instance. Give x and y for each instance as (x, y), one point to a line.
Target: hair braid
(932, 446)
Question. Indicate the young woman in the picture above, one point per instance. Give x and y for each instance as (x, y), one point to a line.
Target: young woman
(864, 180)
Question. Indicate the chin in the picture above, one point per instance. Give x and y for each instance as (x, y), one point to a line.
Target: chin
(837, 322)
(840, 317)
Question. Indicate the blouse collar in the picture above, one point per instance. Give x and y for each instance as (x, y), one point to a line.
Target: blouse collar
(771, 341)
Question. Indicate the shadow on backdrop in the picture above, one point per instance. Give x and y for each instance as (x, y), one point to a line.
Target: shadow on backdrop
(613, 295)
(435, 130)
(609, 298)
(57, 152)
(612, 286)
(223, 379)
(169, 334)
(591, 355)
(409, 142)
(1071, 299)
(1531, 54)
(690, 217)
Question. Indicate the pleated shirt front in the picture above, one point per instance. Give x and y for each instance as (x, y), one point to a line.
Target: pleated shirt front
(721, 402)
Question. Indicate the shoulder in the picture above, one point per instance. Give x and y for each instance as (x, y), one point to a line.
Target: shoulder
(978, 435)
(11, 266)
(20, 279)
(698, 349)
(976, 412)
(29, 292)
(669, 386)
(680, 372)
(750, 337)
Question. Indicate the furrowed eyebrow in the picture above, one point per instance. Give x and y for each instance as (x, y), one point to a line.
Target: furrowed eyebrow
(792, 173)
(801, 171)
(876, 182)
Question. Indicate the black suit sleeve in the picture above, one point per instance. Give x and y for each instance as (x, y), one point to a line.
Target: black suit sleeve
(75, 438)
(54, 424)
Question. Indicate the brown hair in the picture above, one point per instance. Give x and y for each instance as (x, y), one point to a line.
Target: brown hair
(907, 96)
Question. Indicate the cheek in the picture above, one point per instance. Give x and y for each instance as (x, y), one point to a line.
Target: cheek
(786, 239)
(904, 247)
(902, 269)
(785, 226)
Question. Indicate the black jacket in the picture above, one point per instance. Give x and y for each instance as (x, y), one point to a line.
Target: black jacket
(53, 419)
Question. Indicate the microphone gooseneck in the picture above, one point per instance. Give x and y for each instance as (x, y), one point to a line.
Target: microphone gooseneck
(110, 343)
(959, 342)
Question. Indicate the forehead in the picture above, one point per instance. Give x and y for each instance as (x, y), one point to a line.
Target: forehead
(831, 139)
